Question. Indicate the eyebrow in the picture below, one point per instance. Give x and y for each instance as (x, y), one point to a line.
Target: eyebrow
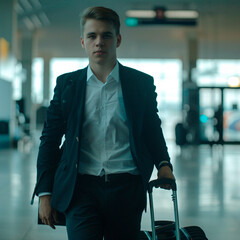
(91, 33)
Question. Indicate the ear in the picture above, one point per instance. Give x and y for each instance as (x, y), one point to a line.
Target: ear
(82, 43)
(119, 40)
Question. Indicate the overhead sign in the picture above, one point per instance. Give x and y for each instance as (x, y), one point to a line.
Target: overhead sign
(161, 16)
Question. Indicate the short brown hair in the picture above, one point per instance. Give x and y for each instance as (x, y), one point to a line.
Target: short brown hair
(103, 14)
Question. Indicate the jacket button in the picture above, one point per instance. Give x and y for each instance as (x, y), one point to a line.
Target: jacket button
(76, 166)
(63, 101)
(77, 139)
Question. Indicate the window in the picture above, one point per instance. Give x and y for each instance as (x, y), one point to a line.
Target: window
(167, 78)
(37, 80)
(59, 66)
(216, 72)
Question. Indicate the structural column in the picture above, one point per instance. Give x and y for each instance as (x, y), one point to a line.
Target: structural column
(8, 47)
(27, 52)
(46, 79)
(192, 56)
(8, 20)
(190, 92)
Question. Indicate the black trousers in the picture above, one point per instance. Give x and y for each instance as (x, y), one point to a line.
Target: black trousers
(109, 207)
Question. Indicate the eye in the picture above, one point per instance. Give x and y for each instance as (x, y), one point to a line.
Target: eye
(92, 36)
(107, 36)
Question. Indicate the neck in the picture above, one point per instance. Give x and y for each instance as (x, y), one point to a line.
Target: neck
(102, 71)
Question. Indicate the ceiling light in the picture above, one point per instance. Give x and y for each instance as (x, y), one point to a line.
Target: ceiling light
(36, 21)
(28, 23)
(36, 4)
(141, 13)
(234, 81)
(43, 17)
(26, 5)
(181, 14)
(19, 9)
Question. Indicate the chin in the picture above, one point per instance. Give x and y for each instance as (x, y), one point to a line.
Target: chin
(100, 61)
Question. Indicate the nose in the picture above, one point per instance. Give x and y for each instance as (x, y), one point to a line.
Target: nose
(99, 41)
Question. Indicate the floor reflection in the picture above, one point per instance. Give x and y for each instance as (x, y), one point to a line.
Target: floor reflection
(208, 193)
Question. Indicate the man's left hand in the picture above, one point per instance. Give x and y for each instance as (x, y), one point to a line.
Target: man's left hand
(165, 172)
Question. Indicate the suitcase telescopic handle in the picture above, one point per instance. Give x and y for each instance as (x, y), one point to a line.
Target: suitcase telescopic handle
(156, 183)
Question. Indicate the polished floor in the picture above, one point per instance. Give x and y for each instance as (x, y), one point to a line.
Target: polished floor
(208, 193)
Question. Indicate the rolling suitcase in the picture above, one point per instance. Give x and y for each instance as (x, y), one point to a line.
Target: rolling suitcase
(169, 230)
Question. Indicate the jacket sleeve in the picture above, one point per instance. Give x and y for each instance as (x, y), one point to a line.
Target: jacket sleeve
(153, 134)
(49, 150)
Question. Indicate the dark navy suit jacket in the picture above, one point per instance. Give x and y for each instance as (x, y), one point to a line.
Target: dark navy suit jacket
(57, 168)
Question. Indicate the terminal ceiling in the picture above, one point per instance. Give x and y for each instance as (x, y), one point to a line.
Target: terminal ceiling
(56, 22)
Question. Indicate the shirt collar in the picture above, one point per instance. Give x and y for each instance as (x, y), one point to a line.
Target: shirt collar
(114, 74)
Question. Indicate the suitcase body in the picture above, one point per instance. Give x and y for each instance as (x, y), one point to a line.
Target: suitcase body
(169, 230)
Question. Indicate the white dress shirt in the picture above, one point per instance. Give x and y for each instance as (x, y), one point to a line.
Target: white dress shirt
(105, 146)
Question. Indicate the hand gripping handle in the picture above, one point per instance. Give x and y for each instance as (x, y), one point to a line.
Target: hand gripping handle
(156, 183)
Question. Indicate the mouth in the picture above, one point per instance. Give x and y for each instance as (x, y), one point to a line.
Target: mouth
(99, 52)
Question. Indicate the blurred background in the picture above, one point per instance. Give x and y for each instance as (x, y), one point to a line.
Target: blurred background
(191, 48)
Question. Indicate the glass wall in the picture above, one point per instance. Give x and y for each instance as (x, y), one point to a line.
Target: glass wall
(167, 75)
(60, 66)
(217, 76)
(231, 117)
(167, 79)
(37, 80)
(213, 72)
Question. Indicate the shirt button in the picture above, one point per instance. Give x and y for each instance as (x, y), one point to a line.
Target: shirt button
(77, 139)
(76, 165)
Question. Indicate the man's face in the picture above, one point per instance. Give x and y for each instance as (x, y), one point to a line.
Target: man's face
(100, 42)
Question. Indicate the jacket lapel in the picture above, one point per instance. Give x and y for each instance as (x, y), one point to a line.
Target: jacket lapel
(81, 92)
(126, 85)
(133, 103)
(79, 97)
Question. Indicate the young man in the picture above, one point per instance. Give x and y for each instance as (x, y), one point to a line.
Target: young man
(113, 138)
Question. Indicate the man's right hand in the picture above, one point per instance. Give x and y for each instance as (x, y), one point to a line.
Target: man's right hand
(46, 213)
